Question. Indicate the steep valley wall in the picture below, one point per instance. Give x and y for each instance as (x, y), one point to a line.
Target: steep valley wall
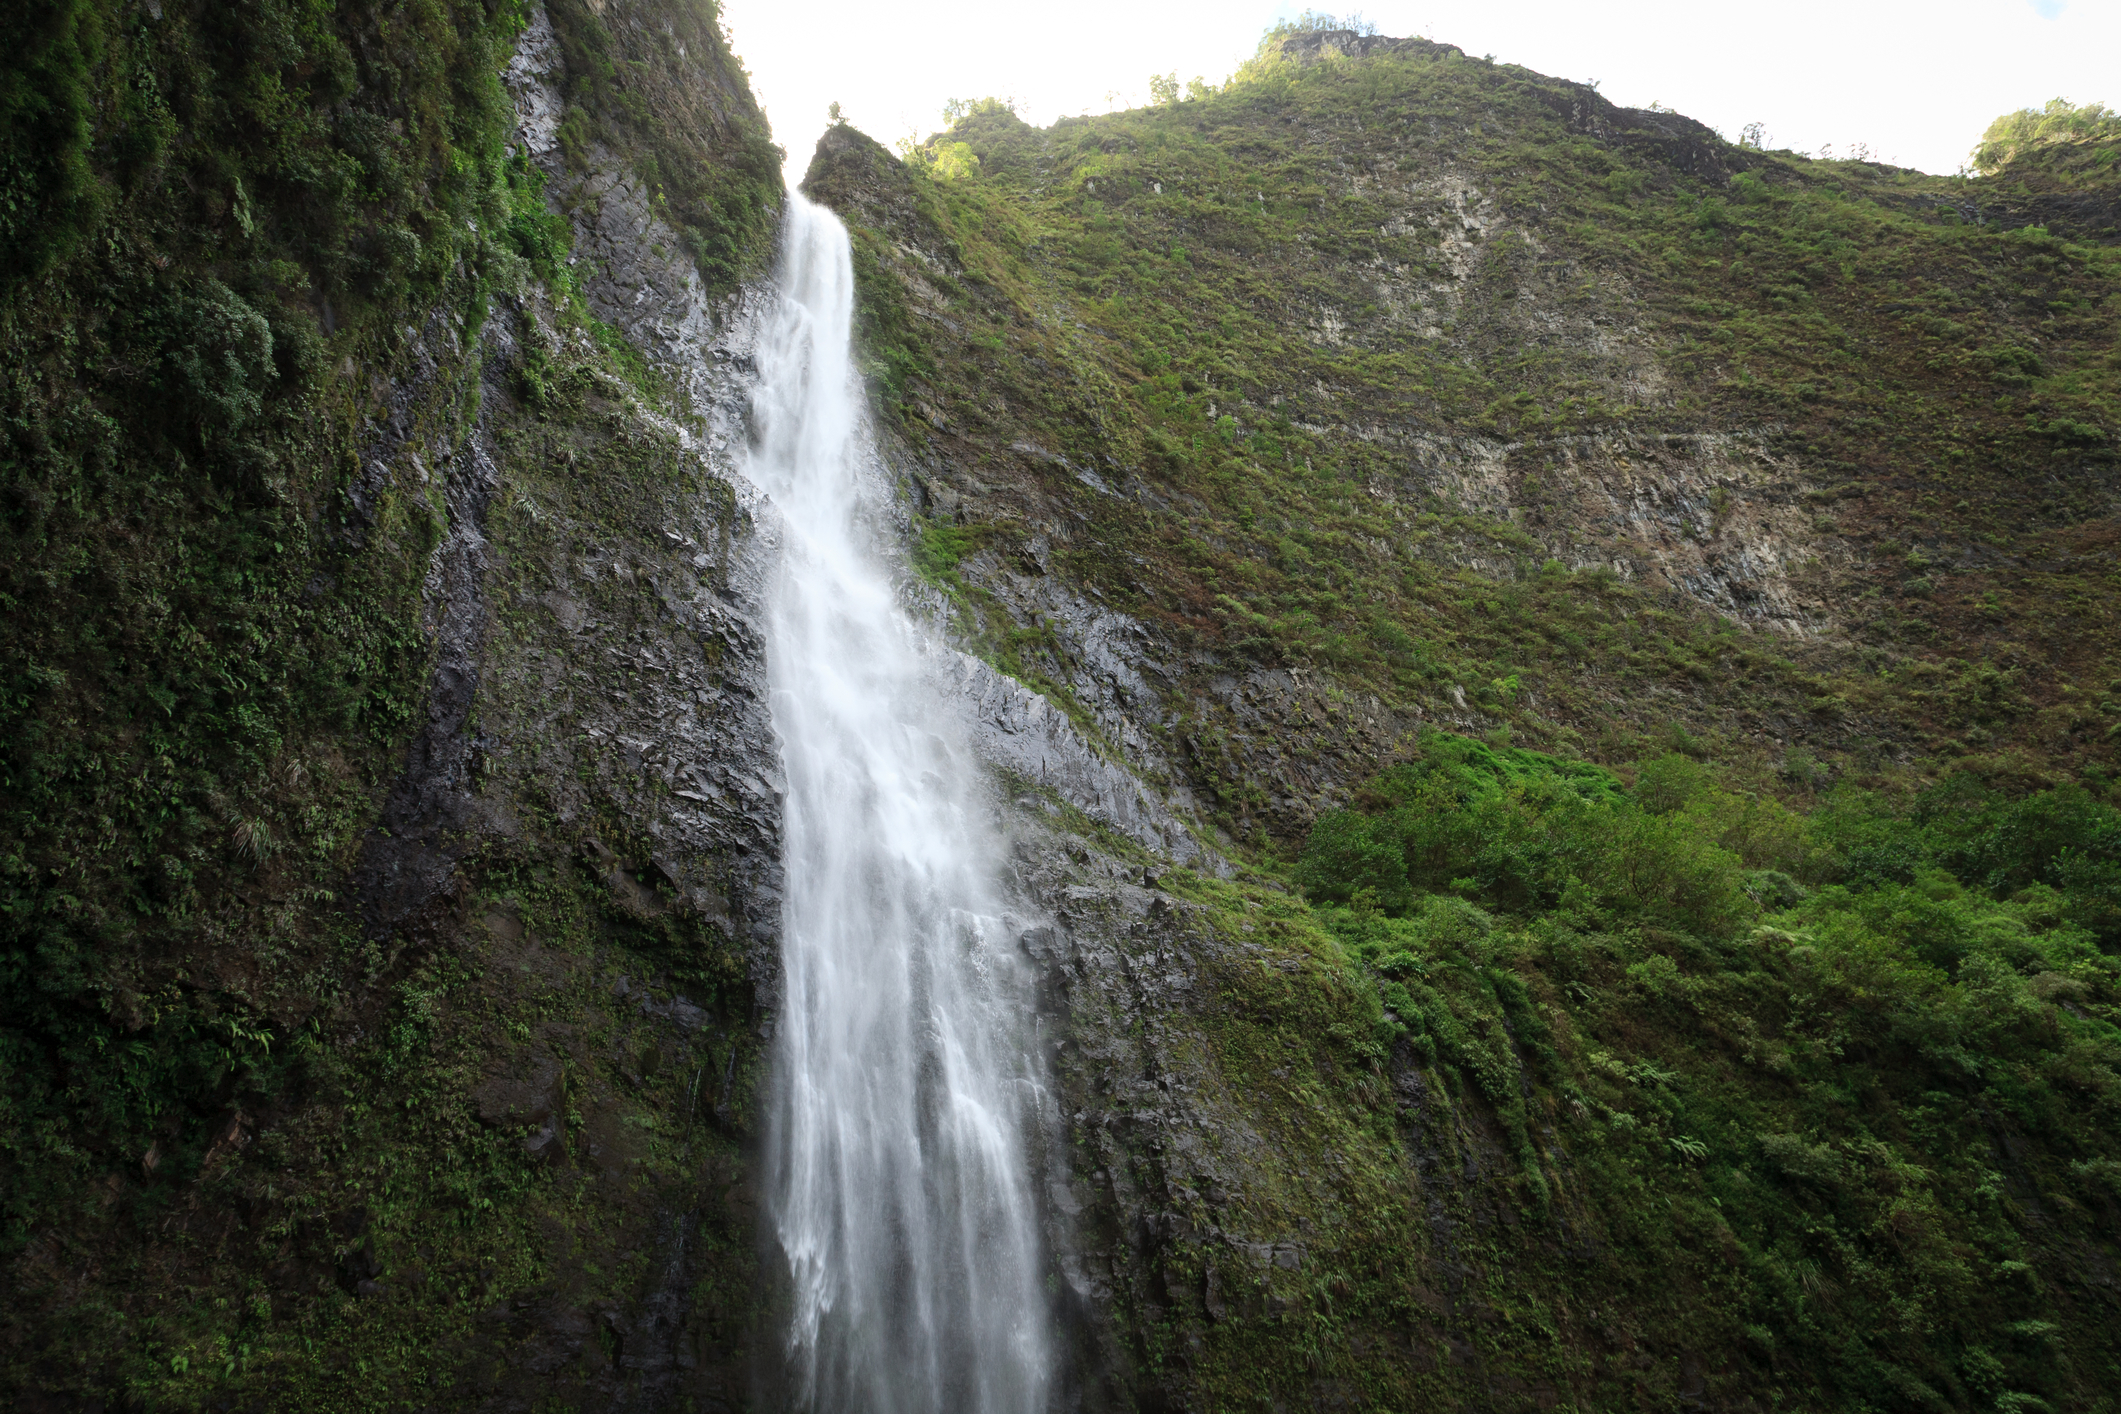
(435, 1028)
(393, 806)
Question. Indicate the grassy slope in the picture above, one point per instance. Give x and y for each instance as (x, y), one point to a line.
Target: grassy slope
(1698, 1096)
(221, 1103)
(1251, 351)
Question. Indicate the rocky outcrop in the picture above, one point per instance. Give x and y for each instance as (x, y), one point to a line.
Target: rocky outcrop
(431, 814)
(636, 269)
(703, 728)
(671, 605)
(1324, 45)
(1716, 518)
(483, 860)
(602, 693)
(1015, 730)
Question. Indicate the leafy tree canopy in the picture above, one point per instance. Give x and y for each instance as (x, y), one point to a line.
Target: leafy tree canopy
(2059, 121)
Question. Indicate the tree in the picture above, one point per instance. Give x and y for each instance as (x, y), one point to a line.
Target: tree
(1318, 21)
(1268, 55)
(2059, 122)
(955, 161)
(956, 110)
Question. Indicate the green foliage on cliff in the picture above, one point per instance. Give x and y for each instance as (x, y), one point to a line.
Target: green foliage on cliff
(656, 84)
(2091, 128)
(1527, 833)
(1372, 355)
(247, 253)
(50, 192)
(1517, 830)
(1831, 1129)
(198, 607)
(1776, 1066)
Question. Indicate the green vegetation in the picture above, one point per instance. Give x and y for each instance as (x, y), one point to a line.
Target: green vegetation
(2093, 129)
(661, 86)
(49, 190)
(1732, 1017)
(250, 253)
(1350, 357)
(199, 616)
(1518, 831)
(1817, 1106)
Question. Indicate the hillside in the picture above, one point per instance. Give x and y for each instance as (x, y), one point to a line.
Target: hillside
(1324, 442)
(1479, 401)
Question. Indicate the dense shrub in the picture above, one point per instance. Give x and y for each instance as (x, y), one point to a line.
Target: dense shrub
(1843, 1046)
(1520, 830)
(2061, 838)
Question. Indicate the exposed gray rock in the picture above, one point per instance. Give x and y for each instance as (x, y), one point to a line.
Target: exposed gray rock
(699, 722)
(1715, 517)
(408, 862)
(638, 275)
(1013, 727)
(532, 78)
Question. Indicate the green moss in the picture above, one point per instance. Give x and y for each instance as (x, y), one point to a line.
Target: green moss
(659, 85)
(221, 1093)
(212, 651)
(941, 548)
(49, 188)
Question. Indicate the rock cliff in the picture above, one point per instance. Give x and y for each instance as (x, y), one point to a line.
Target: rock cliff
(1336, 371)
(1386, 391)
(391, 842)
(436, 1036)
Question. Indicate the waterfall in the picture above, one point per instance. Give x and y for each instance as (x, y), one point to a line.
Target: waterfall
(899, 1182)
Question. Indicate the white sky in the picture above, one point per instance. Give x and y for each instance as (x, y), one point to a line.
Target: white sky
(1915, 79)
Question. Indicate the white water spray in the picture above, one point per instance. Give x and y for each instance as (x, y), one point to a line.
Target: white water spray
(900, 1187)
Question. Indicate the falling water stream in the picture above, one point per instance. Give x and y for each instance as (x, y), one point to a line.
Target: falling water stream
(900, 1187)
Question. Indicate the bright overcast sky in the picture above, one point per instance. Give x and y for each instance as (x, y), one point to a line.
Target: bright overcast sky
(1915, 79)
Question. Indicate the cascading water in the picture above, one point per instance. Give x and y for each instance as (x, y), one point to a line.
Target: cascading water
(900, 1187)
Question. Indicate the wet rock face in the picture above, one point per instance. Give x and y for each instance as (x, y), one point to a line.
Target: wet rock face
(665, 600)
(1174, 721)
(669, 607)
(694, 718)
(597, 706)
(408, 862)
(1016, 731)
(641, 279)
